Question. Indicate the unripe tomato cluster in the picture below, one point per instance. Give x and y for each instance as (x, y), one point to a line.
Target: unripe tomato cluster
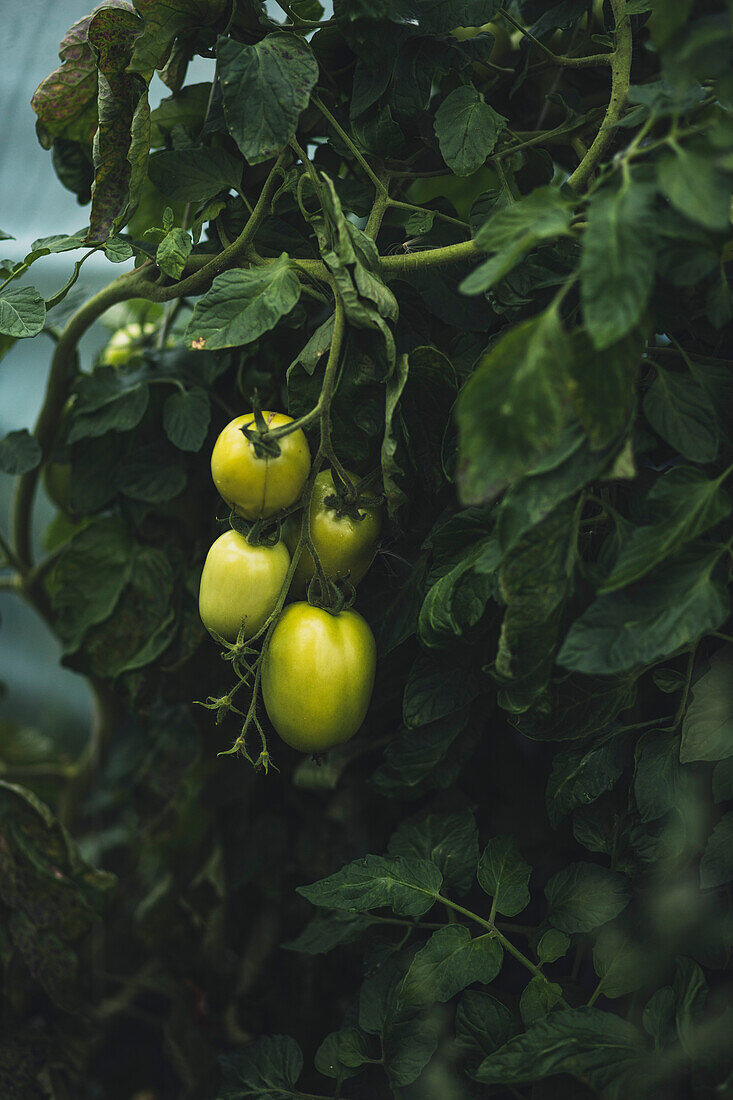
(318, 666)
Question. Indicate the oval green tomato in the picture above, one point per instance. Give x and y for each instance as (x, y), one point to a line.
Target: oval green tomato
(345, 545)
(240, 583)
(259, 487)
(318, 676)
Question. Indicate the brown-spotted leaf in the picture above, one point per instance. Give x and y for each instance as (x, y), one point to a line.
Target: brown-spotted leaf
(122, 141)
(66, 100)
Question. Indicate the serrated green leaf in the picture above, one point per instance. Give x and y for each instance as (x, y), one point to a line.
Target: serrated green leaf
(342, 1053)
(241, 305)
(266, 87)
(617, 262)
(707, 728)
(266, 1069)
(504, 875)
(449, 962)
(513, 408)
(716, 865)
(538, 998)
(681, 412)
(584, 896)
(194, 175)
(450, 841)
(19, 452)
(622, 965)
(467, 129)
(553, 945)
(173, 251)
(408, 886)
(696, 187)
(676, 604)
(186, 418)
(685, 504)
(22, 312)
(580, 776)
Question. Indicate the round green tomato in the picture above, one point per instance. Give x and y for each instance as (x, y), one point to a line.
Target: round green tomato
(126, 343)
(502, 41)
(259, 487)
(318, 676)
(240, 583)
(345, 545)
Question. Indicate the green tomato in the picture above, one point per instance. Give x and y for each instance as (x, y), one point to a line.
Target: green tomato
(259, 487)
(126, 343)
(240, 583)
(318, 676)
(502, 41)
(345, 545)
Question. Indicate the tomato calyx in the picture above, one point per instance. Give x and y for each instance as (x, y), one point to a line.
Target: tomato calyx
(349, 499)
(263, 445)
(331, 594)
(259, 532)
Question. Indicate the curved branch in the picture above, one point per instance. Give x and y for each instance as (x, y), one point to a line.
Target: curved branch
(620, 77)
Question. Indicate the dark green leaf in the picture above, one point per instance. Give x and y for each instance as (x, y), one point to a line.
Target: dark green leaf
(553, 945)
(707, 728)
(19, 452)
(409, 886)
(342, 1053)
(538, 998)
(513, 408)
(22, 312)
(450, 841)
(660, 781)
(467, 129)
(87, 580)
(266, 88)
(580, 776)
(173, 251)
(723, 780)
(449, 962)
(266, 1069)
(504, 875)
(685, 504)
(716, 865)
(603, 384)
(587, 1044)
(242, 305)
(622, 965)
(512, 231)
(584, 896)
(617, 262)
(435, 688)
(151, 475)
(328, 930)
(415, 754)
(676, 604)
(680, 411)
(194, 175)
(696, 187)
(483, 1023)
(186, 418)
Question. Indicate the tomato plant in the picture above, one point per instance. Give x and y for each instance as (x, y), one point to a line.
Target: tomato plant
(475, 260)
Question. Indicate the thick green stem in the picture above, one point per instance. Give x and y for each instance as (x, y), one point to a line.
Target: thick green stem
(620, 78)
(201, 280)
(415, 261)
(559, 59)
